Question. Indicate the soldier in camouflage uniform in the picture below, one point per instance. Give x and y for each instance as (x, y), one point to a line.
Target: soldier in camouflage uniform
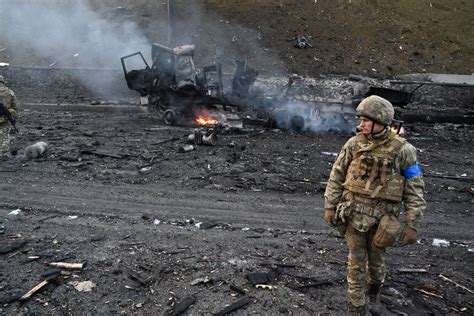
(374, 174)
(7, 97)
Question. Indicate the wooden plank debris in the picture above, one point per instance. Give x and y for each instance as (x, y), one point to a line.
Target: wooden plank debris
(429, 293)
(445, 278)
(48, 277)
(67, 265)
(412, 270)
(35, 289)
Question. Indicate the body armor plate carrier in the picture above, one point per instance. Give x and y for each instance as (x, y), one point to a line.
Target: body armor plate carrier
(372, 172)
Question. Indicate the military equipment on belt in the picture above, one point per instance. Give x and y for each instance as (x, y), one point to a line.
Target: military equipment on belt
(6, 113)
(387, 232)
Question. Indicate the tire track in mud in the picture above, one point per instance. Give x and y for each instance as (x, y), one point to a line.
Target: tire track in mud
(130, 202)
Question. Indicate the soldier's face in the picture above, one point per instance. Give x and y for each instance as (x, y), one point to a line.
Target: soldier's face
(365, 126)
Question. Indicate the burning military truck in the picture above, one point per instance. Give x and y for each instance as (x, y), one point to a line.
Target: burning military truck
(180, 93)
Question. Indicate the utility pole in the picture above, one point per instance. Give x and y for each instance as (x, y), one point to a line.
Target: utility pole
(171, 23)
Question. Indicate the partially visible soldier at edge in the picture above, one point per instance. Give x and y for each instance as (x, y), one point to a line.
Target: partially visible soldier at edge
(375, 173)
(7, 97)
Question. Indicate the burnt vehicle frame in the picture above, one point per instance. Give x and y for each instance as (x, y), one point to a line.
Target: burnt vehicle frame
(177, 91)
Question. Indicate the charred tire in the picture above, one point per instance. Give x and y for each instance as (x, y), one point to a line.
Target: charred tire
(297, 123)
(169, 117)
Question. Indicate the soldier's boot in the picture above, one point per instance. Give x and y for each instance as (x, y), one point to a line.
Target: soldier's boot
(373, 293)
(357, 310)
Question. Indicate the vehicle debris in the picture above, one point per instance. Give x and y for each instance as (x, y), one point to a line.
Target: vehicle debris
(200, 137)
(301, 42)
(186, 148)
(178, 92)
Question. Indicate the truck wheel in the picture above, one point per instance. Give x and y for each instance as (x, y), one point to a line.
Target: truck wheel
(169, 117)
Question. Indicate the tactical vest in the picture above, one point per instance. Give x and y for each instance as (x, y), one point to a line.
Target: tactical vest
(372, 171)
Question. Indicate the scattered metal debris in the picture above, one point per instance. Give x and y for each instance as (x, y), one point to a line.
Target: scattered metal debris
(301, 42)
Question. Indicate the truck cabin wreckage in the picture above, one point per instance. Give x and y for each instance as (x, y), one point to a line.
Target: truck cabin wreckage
(180, 93)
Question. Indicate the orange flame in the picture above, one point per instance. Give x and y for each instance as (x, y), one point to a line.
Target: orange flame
(203, 120)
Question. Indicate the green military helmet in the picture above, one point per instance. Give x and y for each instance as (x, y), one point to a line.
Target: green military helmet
(377, 109)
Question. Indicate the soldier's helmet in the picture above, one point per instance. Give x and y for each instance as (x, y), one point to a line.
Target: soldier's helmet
(377, 109)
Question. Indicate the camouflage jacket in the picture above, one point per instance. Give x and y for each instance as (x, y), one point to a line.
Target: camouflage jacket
(363, 211)
(7, 97)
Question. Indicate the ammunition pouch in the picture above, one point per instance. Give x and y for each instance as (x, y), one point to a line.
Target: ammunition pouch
(387, 232)
(342, 211)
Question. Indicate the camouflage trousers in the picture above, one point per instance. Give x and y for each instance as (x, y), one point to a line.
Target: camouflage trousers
(366, 264)
(4, 140)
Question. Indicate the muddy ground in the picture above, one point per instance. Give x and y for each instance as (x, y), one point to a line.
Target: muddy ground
(115, 193)
(157, 228)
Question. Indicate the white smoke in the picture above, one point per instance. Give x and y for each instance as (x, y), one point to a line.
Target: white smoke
(67, 33)
(320, 119)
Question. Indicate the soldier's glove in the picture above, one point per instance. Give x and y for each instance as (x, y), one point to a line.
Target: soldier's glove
(408, 236)
(330, 216)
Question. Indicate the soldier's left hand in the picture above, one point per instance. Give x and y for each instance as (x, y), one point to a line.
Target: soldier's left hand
(330, 216)
(408, 236)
